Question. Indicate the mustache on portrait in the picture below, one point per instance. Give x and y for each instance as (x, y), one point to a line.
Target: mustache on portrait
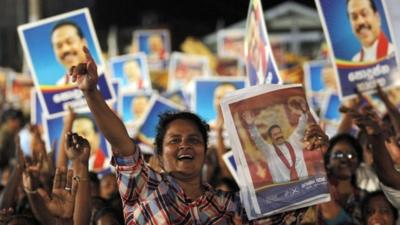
(67, 53)
(362, 26)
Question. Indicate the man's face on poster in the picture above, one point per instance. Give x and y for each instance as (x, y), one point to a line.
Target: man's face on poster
(219, 93)
(67, 45)
(276, 136)
(139, 106)
(85, 128)
(132, 71)
(365, 22)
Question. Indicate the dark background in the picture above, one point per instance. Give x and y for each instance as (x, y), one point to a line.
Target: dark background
(183, 18)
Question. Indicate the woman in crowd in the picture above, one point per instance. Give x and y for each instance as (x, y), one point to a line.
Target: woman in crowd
(176, 195)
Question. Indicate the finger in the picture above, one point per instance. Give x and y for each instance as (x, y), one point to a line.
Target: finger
(63, 177)
(20, 154)
(344, 109)
(71, 70)
(88, 55)
(57, 179)
(81, 69)
(70, 173)
(68, 140)
(43, 194)
(74, 188)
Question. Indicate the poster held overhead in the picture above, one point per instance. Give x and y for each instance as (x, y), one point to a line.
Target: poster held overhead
(260, 63)
(267, 138)
(52, 46)
(361, 42)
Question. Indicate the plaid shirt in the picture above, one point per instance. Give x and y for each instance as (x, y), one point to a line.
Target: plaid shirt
(152, 198)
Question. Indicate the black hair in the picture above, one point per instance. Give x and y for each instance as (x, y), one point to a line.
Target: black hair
(271, 128)
(371, 3)
(343, 138)
(170, 116)
(28, 220)
(104, 211)
(94, 178)
(13, 114)
(228, 182)
(68, 23)
(368, 198)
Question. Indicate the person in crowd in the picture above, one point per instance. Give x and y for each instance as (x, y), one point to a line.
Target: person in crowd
(181, 144)
(12, 122)
(376, 209)
(341, 161)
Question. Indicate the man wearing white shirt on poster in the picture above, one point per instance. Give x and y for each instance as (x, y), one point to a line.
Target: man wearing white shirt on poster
(284, 157)
(366, 25)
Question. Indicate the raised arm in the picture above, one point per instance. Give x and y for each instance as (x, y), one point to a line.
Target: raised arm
(85, 75)
(368, 120)
(249, 119)
(78, 151)
(68, 121)
(392, 110)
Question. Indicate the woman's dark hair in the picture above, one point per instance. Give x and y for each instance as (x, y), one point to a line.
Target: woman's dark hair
(170, 116)
(368, 198)
(343, 138)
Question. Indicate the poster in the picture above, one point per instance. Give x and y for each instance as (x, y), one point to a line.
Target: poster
(52, 46)
(362, 45)
(132, 70)
(260, 64)
(266, 137)
(156, 44)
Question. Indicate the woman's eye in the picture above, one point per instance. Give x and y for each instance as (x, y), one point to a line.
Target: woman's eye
(174, 141)
(194, 140)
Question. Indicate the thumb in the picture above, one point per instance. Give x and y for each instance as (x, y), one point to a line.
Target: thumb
(43, 194)
(74, 189)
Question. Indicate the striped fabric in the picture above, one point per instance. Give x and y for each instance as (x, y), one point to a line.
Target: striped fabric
(152, 198)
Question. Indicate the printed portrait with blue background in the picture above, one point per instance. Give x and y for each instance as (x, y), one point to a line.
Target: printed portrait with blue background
(53, 127)
(49, 74)
(354, 75)
(205, 90)
(156, 44)
(127, 99)
(36, 110)
(116, 83)
(179, 97)
(345, 44)
(330, 111)
(142, 38)
(38, 41)
(132, 70)
(314, 83)
(158, 105)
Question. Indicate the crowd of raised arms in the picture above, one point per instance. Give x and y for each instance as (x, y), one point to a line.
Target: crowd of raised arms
(186, 181)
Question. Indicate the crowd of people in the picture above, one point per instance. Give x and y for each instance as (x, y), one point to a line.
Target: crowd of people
(186, 180)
